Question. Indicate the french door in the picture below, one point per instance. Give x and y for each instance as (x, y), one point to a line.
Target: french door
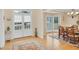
(27, 23)
(53, 23)
(49, 24)
(22, 25)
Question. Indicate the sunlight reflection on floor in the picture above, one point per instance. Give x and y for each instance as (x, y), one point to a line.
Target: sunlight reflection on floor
(53, 41)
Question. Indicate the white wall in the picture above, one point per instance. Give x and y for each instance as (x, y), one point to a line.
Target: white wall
(8, 14)
(2, 35)
(38, 22)
(69, 21)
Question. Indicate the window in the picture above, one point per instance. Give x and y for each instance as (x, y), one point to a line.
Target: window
(56, 24)
(18, 22)
(49, 23)
(27, 22)
(22, 23)
(52, 23)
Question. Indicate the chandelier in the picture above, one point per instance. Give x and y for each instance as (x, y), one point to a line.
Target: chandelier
(73, 13)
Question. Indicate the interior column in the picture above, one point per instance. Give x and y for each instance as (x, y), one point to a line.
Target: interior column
(2, 35)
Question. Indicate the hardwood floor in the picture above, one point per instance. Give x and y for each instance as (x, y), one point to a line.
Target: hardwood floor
(62, 45)
(9, 44)
(59, 45)
(68, 46)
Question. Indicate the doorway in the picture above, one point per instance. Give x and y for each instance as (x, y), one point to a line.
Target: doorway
(53, 23)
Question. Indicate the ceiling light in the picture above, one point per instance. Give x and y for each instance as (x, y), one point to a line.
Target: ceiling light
(76, 12)
(73, 13)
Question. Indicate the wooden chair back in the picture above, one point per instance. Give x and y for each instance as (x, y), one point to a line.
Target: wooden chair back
(61, 30)
(70, 31)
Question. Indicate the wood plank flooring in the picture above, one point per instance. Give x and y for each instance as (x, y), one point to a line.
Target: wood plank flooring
(9, 43)
(63, 45)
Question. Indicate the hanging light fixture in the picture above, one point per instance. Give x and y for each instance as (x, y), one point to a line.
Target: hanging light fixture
(73, 13)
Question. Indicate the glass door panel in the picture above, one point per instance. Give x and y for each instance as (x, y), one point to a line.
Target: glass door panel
(49, 24)
(17, 26)
(27, 22)
(56, 23)
(27, 25)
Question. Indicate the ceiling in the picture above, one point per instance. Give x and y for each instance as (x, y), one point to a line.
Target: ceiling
(22, 11)
(49, 10)
(59, 10)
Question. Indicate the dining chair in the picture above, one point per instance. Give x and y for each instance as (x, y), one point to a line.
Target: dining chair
(75, 27)
(61, 31)
(76, 36)
(71, 34)
(65, 36)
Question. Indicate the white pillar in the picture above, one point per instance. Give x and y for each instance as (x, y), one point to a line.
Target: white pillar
(2, 35)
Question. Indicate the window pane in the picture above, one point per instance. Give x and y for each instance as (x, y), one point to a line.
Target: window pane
(17, 18)
(18, 22)
(55, 19)
(27, 22)
(49, 23)
(27, 18)
(55, 23)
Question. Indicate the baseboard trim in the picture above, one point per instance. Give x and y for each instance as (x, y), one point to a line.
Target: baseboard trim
(20, 37)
